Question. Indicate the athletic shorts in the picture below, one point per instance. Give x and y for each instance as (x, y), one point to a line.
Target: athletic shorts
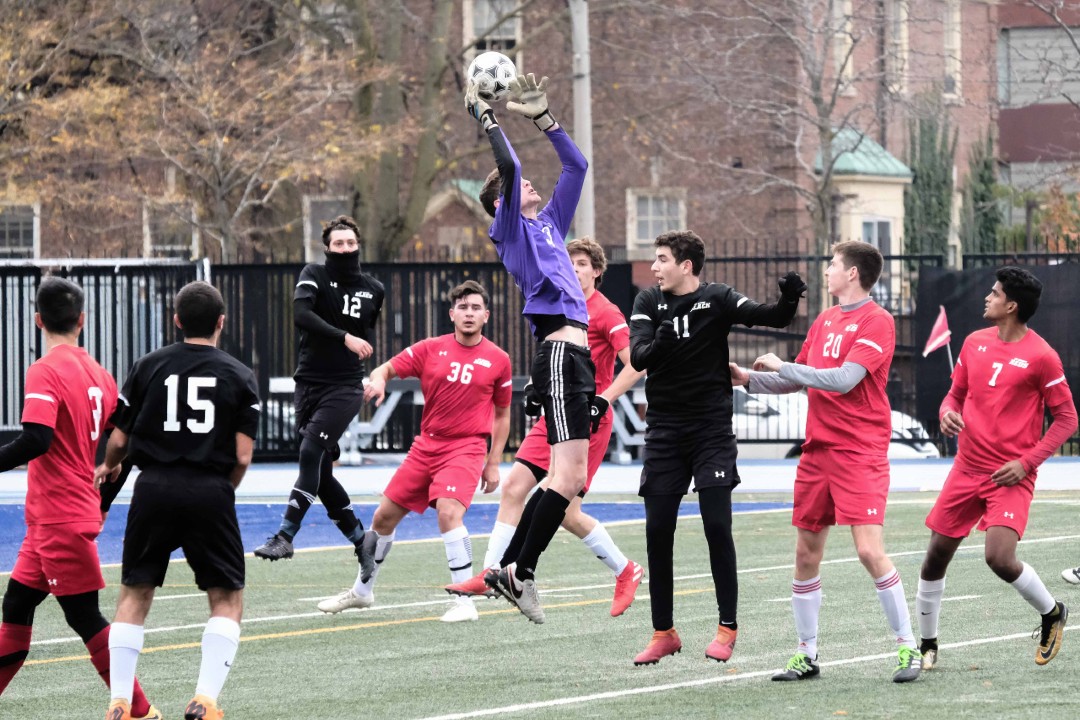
(438, 468)
(968, 498)
(323, 412)
(677, 451)
(61, 559)
(838, 487)
(565, 378)
(535, 451)
(179, 507)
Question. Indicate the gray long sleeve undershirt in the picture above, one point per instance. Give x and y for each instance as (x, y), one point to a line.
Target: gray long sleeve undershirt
(793, 377)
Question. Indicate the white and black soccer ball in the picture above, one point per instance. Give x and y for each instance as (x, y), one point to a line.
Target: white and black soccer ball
(493, 72)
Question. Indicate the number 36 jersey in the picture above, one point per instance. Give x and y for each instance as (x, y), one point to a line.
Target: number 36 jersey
(860, 420)
(68, 391)
(184, 404)
(348, 305)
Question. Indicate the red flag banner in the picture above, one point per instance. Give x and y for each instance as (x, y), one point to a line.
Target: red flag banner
(939, 335)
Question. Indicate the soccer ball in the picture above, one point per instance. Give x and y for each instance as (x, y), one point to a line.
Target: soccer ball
(493, 72)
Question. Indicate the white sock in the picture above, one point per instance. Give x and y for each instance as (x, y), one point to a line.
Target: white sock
(501, 535)
(219, 642)
(458, 553)
(605, 549)
(890, 593)
(806, 605)
(928, 604)
(1032, 589)
(383, 543)
(125, 644)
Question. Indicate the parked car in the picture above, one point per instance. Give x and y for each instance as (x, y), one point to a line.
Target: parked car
(774, 426)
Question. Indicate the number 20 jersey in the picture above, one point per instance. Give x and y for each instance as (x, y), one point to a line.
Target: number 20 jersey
(859, 421)
(184, 404)
(68, 391)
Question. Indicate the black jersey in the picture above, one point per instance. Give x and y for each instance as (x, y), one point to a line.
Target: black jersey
(344, 304)
(184, 404)
(693, 379)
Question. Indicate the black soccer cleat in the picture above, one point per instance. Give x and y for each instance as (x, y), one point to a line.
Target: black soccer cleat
(365, 554)
(1051, 632)
(276, 547)
(799, 667)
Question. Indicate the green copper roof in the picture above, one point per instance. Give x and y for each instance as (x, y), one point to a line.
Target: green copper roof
(857, 154)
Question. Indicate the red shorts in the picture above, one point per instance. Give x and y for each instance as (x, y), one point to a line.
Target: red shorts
(968, 498)
(839, 487)
(534, 448)
(438, 468)
(61, 559)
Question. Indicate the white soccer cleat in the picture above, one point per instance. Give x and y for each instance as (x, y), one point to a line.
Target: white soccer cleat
(463, 610)
(1071, 575)
(346, 600)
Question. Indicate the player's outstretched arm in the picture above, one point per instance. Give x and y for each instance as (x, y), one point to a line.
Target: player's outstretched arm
(32, 442)
(778, 314)
(376, 384)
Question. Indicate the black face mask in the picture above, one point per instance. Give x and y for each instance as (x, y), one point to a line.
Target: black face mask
(343, 265)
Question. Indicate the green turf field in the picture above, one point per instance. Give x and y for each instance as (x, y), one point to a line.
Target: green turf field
(398, 661)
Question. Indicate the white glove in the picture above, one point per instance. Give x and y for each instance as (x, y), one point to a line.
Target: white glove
(530, 100)
(478, 107)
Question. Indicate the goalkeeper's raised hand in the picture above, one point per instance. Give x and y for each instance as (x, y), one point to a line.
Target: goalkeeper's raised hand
(529, 98)
(478, 107)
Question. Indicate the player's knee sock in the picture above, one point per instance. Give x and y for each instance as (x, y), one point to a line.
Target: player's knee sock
(14, 647)
(806, 607)
(219, 642)
(383, 543)
(338, 506)
(549, 514)
(458, 553)
(715, 503)
(501, 534)
(605, 549)
(890, 592)
(517, 540)
(307, 485)
(928, 604)
(125, 642)
(661, 515)
(1032, 589)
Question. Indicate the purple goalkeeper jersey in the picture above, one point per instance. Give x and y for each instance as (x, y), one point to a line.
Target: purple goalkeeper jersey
(534, 251)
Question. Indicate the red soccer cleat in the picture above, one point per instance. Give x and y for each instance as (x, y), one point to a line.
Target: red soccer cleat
(625, 587)
(721, 647)
(472, 586)
(663, 643)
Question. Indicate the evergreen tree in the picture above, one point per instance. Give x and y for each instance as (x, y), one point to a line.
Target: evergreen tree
(928, 200)
(981, 219)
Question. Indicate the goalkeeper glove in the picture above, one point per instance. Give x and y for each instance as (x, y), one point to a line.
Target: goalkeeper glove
(478, 107)
(597, 410)
(792, 286)
(532, 403)
(530, 100)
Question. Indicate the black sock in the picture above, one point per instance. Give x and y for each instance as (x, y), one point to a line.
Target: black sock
(307, 485)
(661, 516)
(715, 503)
(514, 548)
(338, 505)
(549, 514)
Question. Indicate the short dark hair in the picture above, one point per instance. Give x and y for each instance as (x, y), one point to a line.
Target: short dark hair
(469, 287)
(592, 249)
(491, 191)
(199, 305)
(341, 222)
(59, 302)
(864, 256)
(1022, 288)
(685, 245)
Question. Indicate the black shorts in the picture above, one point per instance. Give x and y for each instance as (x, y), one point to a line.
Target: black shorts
(181, 507)
(677, 451)
(565, 378)
(323, 412)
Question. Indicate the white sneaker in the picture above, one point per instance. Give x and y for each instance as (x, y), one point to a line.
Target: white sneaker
(463, 610)
(346, 600)
(1071, 575)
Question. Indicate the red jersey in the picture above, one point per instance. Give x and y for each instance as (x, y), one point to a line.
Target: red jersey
(68, 391)
(1002, 389)
(461, 384)
(608, 334)
(859, 421)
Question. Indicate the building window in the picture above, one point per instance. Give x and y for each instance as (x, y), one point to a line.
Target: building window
(169, 230)
(951, 46)
(843, 44)
(19, 232)
(317, 210)
(484, 29)
(651, 212)
(896, 49)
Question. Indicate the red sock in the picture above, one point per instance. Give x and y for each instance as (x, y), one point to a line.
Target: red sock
(99, 656)
(14, 647)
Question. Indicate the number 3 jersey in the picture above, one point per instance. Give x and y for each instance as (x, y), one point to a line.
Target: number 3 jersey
(184, 404)
(859, 421)
(70, 392)
(348, 304)
(461, 384)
